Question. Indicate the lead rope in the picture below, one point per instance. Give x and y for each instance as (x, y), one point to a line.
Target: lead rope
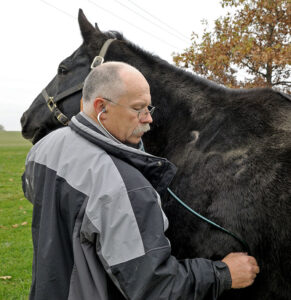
(245, 245)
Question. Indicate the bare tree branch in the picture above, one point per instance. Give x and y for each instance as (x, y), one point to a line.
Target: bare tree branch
(287, 83)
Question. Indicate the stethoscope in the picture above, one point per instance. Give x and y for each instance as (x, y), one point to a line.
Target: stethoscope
(107, 132)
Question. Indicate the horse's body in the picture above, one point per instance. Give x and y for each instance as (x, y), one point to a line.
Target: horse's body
(232, 149)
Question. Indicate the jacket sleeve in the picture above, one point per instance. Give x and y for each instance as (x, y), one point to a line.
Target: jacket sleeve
(130, 242)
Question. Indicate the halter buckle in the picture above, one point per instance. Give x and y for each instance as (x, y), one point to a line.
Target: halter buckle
(62, 119)
(97, 61)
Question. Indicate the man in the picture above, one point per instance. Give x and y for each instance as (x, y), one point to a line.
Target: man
(98, 227)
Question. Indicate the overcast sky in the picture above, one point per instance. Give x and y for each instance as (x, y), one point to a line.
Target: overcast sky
(37, 34)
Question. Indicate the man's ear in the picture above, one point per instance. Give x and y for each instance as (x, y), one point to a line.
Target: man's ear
(99, 105)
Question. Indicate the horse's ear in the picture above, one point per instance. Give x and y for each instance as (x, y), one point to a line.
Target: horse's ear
(87, 30)
(97, 28)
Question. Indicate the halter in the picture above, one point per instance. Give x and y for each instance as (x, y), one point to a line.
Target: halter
(52, 101)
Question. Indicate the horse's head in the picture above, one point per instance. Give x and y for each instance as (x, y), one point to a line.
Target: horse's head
(43, 116)
(65, 88)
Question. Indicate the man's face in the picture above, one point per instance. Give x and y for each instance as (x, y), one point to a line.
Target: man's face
(123, 120)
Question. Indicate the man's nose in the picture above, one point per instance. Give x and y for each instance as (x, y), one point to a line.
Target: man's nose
(147, 119)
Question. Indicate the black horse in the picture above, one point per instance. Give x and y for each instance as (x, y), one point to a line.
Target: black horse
(232, 149)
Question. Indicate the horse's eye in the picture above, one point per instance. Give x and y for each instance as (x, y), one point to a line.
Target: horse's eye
(62, 70)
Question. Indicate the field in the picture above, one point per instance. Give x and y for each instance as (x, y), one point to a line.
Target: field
(15, 219)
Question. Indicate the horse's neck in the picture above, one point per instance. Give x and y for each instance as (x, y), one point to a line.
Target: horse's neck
(173, 87)
(182, 100)
(175, 84)
(174, 93)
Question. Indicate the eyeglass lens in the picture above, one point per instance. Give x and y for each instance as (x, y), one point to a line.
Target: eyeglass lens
(144, 113)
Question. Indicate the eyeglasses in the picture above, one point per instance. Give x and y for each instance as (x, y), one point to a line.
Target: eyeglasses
(142, 114)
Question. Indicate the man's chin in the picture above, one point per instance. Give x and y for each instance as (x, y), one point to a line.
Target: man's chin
(133, 142)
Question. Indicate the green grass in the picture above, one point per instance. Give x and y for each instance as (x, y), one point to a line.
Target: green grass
(15, 219)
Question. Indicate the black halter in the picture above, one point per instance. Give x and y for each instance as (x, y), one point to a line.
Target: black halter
(52, 101)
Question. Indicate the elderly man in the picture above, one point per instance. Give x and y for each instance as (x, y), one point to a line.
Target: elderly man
(98, 226)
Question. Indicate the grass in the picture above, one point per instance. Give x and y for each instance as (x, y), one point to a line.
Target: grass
(15, 219)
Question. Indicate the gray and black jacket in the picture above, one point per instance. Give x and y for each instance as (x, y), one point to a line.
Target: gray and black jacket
(98, 227)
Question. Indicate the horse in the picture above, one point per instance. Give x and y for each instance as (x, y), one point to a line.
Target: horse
(232, 148)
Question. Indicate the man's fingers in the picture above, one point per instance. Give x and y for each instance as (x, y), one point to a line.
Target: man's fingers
(243, 269)
(252, 260)
(253, 276)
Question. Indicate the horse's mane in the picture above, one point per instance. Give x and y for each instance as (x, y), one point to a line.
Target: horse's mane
(185, 76)
(152, 59)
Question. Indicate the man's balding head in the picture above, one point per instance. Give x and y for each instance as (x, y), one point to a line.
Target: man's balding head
(110, 80)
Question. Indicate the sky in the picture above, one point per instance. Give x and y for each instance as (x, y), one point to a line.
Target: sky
(38, 34)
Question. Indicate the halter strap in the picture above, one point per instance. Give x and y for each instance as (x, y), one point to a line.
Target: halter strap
(98, 60)
(51, 101)
(70, 91)
(63, 119)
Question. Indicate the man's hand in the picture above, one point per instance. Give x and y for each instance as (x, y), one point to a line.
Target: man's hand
(243, 269)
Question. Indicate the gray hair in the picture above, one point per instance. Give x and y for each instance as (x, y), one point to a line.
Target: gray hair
(104, 81)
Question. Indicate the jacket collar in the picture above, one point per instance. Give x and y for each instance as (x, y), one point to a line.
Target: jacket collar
(158, 171)
(93, 125)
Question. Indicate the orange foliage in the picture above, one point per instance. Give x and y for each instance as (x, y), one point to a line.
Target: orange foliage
(255, 39)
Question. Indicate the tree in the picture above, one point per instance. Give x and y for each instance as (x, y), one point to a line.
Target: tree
(255, 39)
(1, 128)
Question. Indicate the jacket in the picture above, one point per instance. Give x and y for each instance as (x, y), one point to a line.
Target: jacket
(98, 226)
